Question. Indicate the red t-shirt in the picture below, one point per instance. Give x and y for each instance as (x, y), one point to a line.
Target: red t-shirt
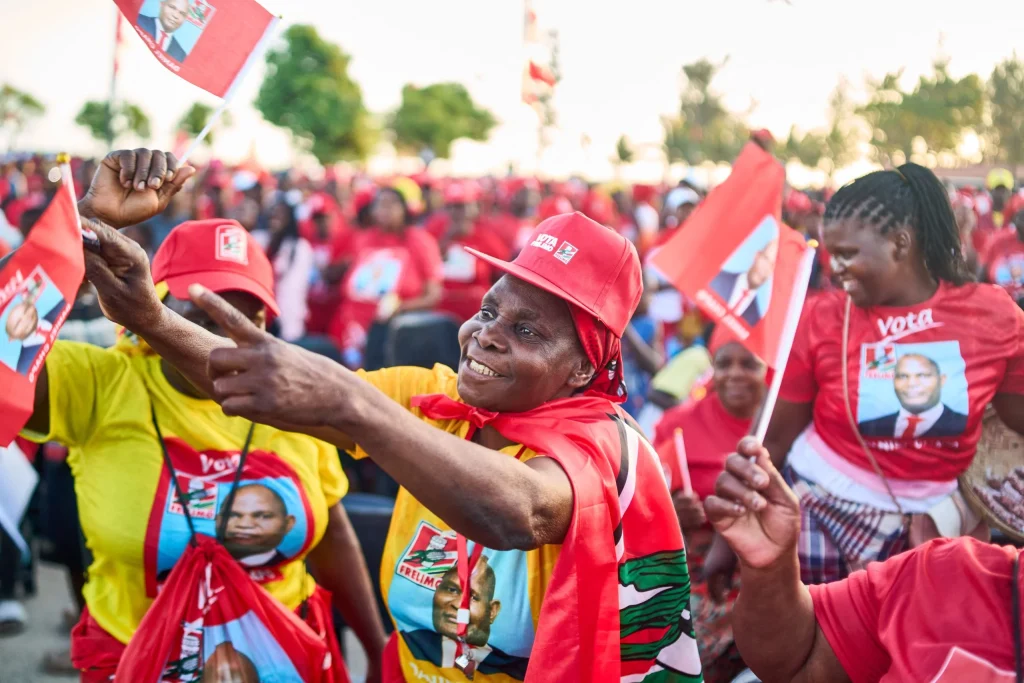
(383, 263)
(940, 613)
(467, 278)
(920, 376)
(503, 225)
(710, 434)
(1004, 261)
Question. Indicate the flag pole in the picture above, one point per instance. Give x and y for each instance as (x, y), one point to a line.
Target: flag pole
(684, 468)
(89, 238)
(254, 56)
(789, 326)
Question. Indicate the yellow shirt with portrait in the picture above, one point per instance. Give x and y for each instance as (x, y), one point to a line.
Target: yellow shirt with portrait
(419, 578)
(101, 407)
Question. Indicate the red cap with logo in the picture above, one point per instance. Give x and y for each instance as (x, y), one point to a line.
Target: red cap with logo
(218, 254)
(595, 270)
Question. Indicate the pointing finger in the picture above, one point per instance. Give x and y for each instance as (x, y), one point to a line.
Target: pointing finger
(241, 330)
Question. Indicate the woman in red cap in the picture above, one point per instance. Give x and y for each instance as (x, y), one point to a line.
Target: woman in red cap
(394, 268)
(134, 425)
(534, 536)
(710, 428)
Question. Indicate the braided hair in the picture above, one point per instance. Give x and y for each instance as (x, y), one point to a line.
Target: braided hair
(909, 196)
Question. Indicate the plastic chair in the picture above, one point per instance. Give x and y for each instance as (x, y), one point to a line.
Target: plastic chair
(371, 517)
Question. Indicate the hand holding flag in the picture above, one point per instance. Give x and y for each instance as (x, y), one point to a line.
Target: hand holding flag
(132, 186)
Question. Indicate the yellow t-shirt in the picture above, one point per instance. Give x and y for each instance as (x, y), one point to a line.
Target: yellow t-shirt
(419, 577)
(133, 522)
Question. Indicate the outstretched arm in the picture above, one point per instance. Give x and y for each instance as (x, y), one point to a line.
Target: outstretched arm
(489, 497)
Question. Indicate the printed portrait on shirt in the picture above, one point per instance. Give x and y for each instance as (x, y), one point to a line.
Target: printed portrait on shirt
(266, 525)
(426, 594)
(912, 391)
(174, 26)
(27, 320)
(745, 282)
(375, 275)
(1008, 273)
(244, 651)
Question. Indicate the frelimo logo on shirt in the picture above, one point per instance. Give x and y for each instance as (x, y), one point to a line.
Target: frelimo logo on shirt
(431, 553)
(879, 361)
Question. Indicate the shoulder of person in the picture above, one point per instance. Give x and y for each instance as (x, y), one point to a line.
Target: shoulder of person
(991, 298)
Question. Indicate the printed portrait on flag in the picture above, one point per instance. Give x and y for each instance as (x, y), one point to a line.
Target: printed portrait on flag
(268, 523)
(425, 596)
(912, 391)
(174, 26)
(27, 321)
(1008, 273)
(244, 651)
(745, 282)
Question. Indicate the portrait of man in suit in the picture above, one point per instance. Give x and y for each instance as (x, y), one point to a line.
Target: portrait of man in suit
(742, 291)
(27, 322)
(161, 28)
(439, 646)
(257, 524)
(918, 382)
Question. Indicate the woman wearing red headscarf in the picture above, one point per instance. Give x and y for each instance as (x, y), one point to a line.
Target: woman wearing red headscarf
(709, 428)
(534, 537)
(395, 268)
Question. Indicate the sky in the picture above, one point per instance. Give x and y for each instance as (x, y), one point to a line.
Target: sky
(620, 66)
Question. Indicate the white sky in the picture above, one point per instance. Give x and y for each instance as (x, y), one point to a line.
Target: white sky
(620, 66)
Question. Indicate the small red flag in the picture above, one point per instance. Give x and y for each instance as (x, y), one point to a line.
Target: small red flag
(542, 74)
(737, 260)
(38, 285)
(209, 43)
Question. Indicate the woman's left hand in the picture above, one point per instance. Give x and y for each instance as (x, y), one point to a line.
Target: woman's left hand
(120, 273)
(270, 381)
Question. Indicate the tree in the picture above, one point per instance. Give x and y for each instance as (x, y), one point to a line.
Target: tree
(307, 90)
(931, 118)
(704, 129)
(17, 108)
(829, 149)
(1005, 130)
(624, 154)
(433, 117)
(195, 119)
(96, 117)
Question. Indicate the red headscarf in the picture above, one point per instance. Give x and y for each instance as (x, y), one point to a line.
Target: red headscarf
(604, 351)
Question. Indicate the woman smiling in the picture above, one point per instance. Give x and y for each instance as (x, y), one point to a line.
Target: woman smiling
(521, 476)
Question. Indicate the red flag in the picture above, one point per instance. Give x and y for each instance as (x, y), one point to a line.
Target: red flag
(38, 285)
(209, 43)
(736, 259)
(542, 74)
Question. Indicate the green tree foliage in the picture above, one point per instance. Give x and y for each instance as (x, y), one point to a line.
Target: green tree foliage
(1005, 130)
(307, 90)
(195, 119)
(107, 126)
(433, 117)
(704, 129)
(17, 108)
(623, 151)
(931, 117)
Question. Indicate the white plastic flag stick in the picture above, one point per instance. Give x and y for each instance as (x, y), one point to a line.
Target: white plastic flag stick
(684, 469)
(229, 96)
(796, 306)
(90, 238)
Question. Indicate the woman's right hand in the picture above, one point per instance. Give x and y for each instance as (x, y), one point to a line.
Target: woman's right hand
(754, 510)
(132, 186)
(120, 273)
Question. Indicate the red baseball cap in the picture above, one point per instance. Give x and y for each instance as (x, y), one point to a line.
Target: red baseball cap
(218, 254)
(582, 262)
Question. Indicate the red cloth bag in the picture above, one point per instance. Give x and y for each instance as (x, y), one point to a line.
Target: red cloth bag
(211, 622)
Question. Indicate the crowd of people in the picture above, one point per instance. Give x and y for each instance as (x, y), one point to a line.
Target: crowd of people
(471, 368)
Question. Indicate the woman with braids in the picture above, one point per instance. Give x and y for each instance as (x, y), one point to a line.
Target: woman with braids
(881, 407)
